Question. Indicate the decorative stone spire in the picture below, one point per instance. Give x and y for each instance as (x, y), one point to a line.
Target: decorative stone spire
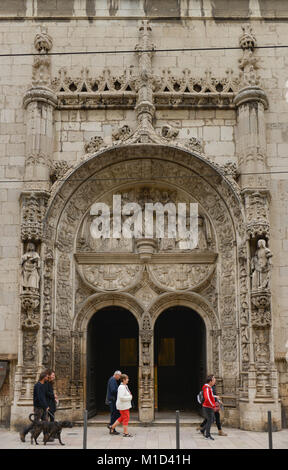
(144, 85)
(41, 75)
(248, 62)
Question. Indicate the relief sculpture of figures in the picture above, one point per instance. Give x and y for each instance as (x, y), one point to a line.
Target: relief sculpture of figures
(30, 269)
(261, 266)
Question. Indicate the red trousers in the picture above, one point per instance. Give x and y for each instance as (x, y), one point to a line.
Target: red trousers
(124, 417)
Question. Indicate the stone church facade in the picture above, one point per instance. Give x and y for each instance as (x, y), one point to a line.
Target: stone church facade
(152, 126)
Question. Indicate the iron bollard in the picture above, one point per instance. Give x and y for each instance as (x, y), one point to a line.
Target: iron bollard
(177, 430)
(270, 430)
(85, 430)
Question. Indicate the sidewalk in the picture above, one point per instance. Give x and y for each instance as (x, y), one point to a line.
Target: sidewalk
(155, 437)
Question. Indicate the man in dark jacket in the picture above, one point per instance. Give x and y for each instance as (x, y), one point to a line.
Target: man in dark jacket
(40, 403)
(111, 397)
(50, 395)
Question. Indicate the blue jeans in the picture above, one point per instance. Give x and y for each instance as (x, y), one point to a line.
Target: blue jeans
(114, 412)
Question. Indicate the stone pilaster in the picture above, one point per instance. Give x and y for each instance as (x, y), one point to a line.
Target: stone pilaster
(146, 371)
(259, 382)
(39, 102)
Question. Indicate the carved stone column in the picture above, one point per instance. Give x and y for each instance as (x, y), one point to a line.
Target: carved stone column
(146, 371)
(39, 102)
(258, 385)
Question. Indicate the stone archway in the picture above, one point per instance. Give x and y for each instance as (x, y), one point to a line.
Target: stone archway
(112, 344)
(179, 358)
(76, 268)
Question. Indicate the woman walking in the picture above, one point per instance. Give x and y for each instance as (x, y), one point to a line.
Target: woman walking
(123, 404)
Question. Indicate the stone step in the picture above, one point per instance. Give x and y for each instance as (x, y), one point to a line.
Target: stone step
(194, 421)
(137, 423)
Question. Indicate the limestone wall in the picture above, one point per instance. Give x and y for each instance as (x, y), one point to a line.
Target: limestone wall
(86, 25)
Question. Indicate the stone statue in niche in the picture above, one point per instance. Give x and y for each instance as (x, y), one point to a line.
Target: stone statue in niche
(261, 267)
(30, 269)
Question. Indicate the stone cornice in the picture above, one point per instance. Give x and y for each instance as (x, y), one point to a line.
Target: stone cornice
(207, 257)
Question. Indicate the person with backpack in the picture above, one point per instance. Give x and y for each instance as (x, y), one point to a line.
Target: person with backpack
(216, 414)
(208, 406)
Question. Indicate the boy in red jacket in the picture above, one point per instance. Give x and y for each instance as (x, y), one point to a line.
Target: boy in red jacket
(208, 405)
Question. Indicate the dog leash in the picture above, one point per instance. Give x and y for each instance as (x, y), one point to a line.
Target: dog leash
(51, 414)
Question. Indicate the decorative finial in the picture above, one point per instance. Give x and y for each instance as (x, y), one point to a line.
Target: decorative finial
(43, 41)
(247, 39)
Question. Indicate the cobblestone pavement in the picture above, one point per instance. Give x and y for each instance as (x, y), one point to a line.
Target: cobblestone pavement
(155, 437)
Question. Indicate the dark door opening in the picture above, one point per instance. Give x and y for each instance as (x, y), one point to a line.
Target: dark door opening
(180, 359)
(112, 344)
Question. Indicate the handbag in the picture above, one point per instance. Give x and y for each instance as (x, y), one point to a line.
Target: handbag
(217, 407)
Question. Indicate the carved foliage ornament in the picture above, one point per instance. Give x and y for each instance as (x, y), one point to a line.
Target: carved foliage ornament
(33, 210)
(261, 310)
(180, 276)
(112, 277)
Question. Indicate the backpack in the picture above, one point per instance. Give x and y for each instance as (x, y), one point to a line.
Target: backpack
(200, 397)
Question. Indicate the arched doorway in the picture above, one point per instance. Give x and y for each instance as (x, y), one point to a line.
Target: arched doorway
(112, 343)
(179, 358)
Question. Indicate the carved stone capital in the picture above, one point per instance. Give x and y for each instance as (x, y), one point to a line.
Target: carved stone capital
(40, 94)
(251, 94)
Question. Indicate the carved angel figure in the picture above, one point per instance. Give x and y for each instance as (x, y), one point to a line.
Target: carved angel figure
(261, 266)
(30, 269)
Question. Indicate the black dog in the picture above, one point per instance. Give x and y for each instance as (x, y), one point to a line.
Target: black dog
(49, 429)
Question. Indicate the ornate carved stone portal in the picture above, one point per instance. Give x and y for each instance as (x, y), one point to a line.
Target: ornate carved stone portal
(68, 275)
